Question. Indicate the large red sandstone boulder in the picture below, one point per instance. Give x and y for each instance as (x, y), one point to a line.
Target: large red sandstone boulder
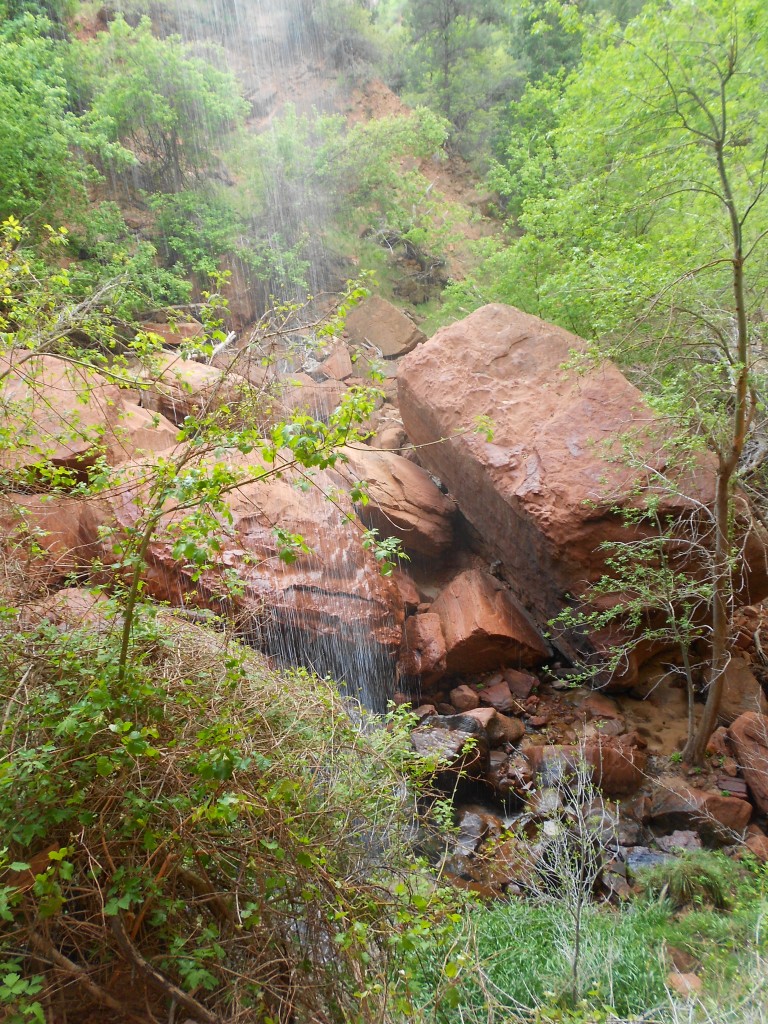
(483, 626)
(403, 501)
(715, 817)
(618, 768)
(377, 322)
(542, 493)
(749, 738)
(67, 415)
(741, 692)
(178, 388)
(54, 536)
(330, 605)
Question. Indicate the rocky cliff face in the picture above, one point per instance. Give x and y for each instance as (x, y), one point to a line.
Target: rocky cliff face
(547, 492)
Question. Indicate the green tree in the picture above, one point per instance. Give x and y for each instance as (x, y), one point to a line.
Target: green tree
(459, 58)
(644, 225)
(42, 139)
(170, 107)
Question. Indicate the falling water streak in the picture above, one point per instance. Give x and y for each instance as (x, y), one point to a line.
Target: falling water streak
(278, 50)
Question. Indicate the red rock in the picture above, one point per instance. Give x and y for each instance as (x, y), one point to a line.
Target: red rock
(520, 684)
(715, 817)
(741, 692)
(598, 705)
(497, 695)
(539, 721)
(719, 744)
(423, 650)
(457, 744)
(378, 323)
(330, 604)
(749, 738)
(403, 500)
(140, 432)
(425, 711)
(408, 591)
(464, 698)
(483, 626)
(70, 608)
(68, 415)
(299, 393)
(500, 728)
(543, 492)
(686, 985)
(56, 536)
(390, 437)
(178, 388)
(176, 334)
(338, 364)
(757, 843)
(617, 769)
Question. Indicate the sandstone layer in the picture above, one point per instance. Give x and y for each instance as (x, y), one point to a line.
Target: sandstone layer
(544, 493)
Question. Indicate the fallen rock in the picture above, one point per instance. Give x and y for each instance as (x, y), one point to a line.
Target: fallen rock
(679, 840)
(483, 626)
(749, 738)
(299, 393)
(69, 608)
(542, 493)
(617, 768)
(178, 388)
(423, 649)
(408, 591)
(176, 334)
(54, 535)
(685, 985)
(338, 364)
(717, 819)
(499, 728)
(598, 705)
(757, 843)
(402, 500)
(457, 744)
(741, 692)
(497, 695)
(329, 607)
(464, 698)
(521, 684)
(377, 322)
(66, 416)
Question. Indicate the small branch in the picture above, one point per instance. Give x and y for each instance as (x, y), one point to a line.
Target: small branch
(96, 992)
(158, 980)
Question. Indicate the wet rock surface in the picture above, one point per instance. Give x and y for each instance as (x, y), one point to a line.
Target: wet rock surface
(483, 626)
(403, 500)
(749, 737)
(381, 326)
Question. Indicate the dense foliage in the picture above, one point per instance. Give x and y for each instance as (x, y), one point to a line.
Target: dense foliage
(174, 810)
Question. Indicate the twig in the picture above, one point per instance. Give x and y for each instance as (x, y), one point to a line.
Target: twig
(158, 980)
(44, 947)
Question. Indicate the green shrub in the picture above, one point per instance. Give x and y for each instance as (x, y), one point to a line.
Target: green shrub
(205, 818)
(697, 879)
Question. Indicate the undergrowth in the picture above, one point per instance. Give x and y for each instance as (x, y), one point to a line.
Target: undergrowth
(209, 834)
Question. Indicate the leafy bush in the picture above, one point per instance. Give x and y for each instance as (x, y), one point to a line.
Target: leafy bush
(42, 175)
(693, 878)
(225, 833)
(169, 106)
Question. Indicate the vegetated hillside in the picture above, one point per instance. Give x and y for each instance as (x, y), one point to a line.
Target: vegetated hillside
(189, 830)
